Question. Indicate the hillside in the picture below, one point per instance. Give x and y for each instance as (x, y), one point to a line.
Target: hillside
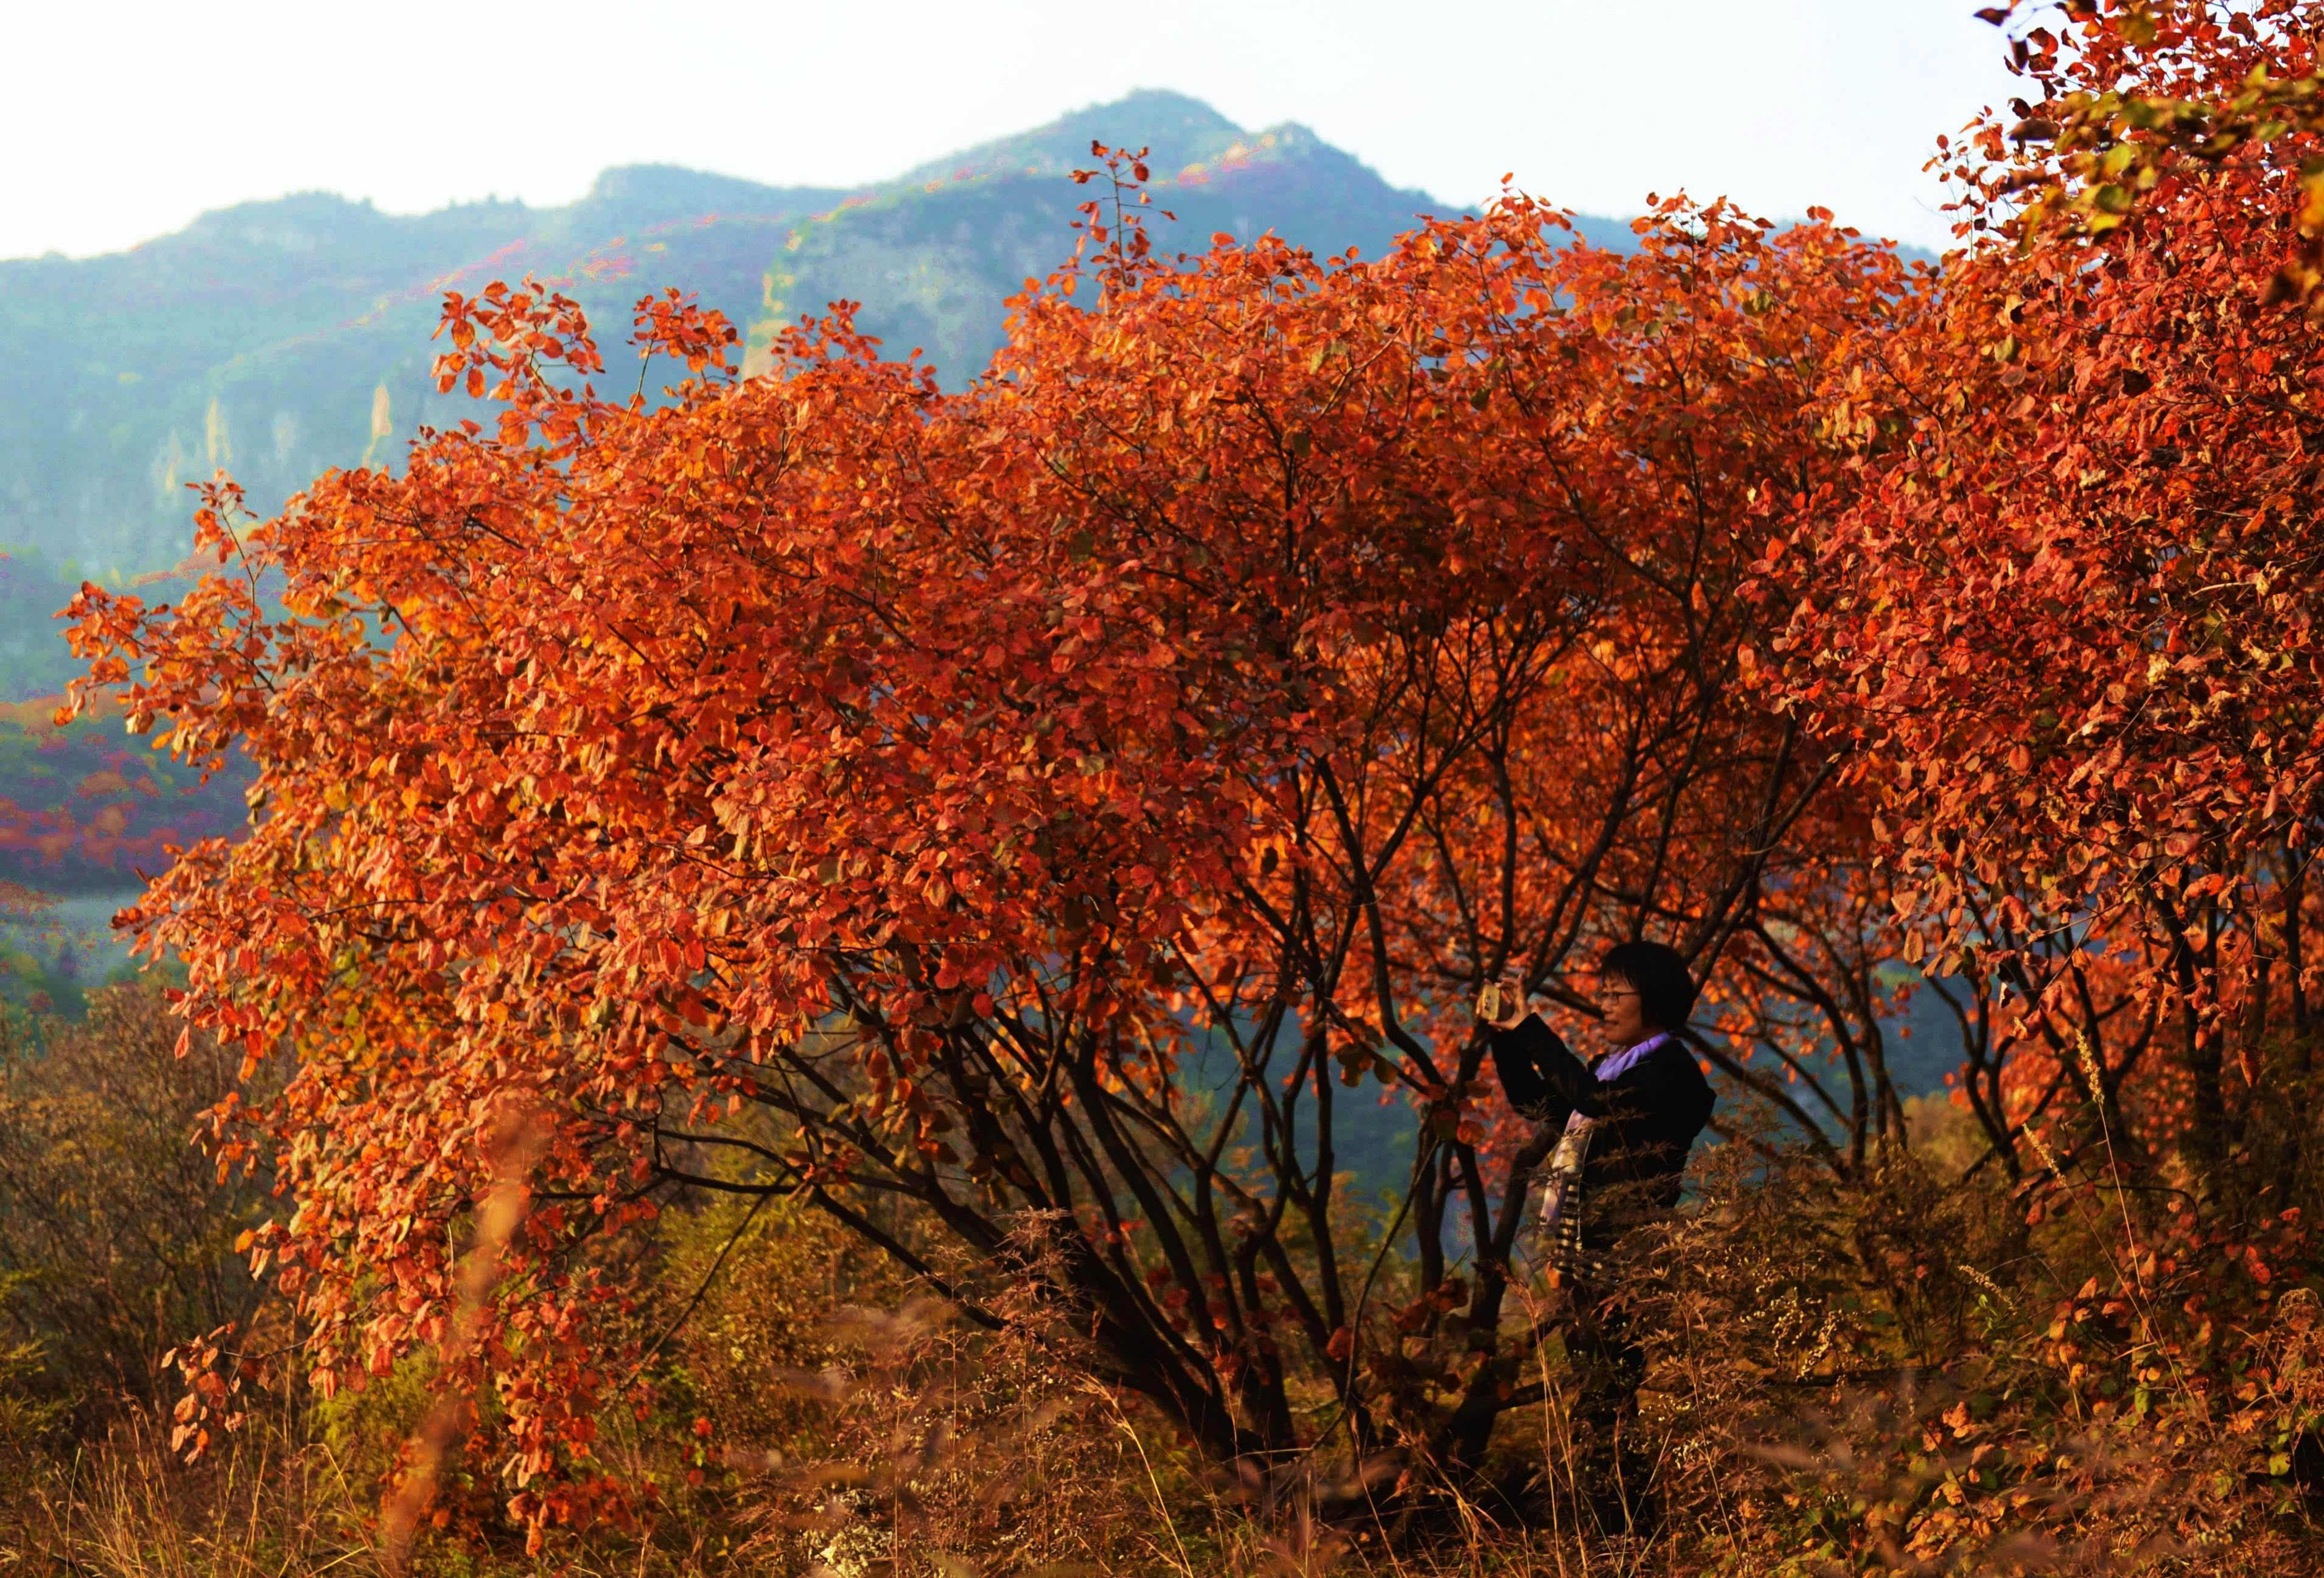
(277, 339)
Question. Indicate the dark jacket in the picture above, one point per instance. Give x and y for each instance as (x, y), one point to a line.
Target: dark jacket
(1648, 1119)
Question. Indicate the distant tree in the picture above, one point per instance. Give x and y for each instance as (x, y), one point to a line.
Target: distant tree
(1020, 822)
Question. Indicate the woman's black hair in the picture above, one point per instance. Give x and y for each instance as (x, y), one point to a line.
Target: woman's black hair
(1659, 976)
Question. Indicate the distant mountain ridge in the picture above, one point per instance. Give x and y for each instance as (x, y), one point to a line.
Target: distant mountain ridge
(1179, 134)
(280, 337)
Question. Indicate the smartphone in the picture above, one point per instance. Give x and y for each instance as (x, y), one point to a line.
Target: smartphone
(1492, 1004)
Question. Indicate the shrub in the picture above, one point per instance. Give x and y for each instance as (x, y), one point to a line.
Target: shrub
(115, 1232)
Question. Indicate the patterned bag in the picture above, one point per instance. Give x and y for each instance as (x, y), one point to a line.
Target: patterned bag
(1560, 1201)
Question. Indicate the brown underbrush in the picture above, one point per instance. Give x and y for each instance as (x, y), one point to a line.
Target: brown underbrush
(1908, 1371)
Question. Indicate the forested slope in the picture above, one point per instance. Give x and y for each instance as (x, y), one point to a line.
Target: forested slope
(278, 338)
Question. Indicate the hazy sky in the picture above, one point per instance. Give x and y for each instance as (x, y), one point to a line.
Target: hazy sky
(123, 121)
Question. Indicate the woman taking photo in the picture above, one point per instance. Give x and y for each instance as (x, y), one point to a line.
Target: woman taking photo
(1624, 1123)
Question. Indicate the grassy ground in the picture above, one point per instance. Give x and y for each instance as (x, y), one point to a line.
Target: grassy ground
(1917, 1373)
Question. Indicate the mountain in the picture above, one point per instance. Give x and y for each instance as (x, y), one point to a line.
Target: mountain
(277, 339)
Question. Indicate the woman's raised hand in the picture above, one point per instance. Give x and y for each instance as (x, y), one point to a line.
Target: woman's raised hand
(1502, 1005)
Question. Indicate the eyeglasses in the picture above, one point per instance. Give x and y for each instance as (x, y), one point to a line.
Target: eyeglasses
(1606, 992)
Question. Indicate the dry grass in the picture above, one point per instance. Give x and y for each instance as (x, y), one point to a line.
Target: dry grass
(1901, 1376)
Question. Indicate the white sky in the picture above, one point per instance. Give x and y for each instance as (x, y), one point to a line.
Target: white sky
(122, 120)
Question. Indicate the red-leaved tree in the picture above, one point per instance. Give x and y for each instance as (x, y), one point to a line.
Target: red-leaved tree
(2073, 622)
(1023, 822)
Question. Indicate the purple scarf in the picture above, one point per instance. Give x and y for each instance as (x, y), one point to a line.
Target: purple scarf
(1614, 1065)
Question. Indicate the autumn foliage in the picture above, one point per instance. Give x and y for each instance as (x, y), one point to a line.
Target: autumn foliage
(2074, 619)
(1024, 823)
